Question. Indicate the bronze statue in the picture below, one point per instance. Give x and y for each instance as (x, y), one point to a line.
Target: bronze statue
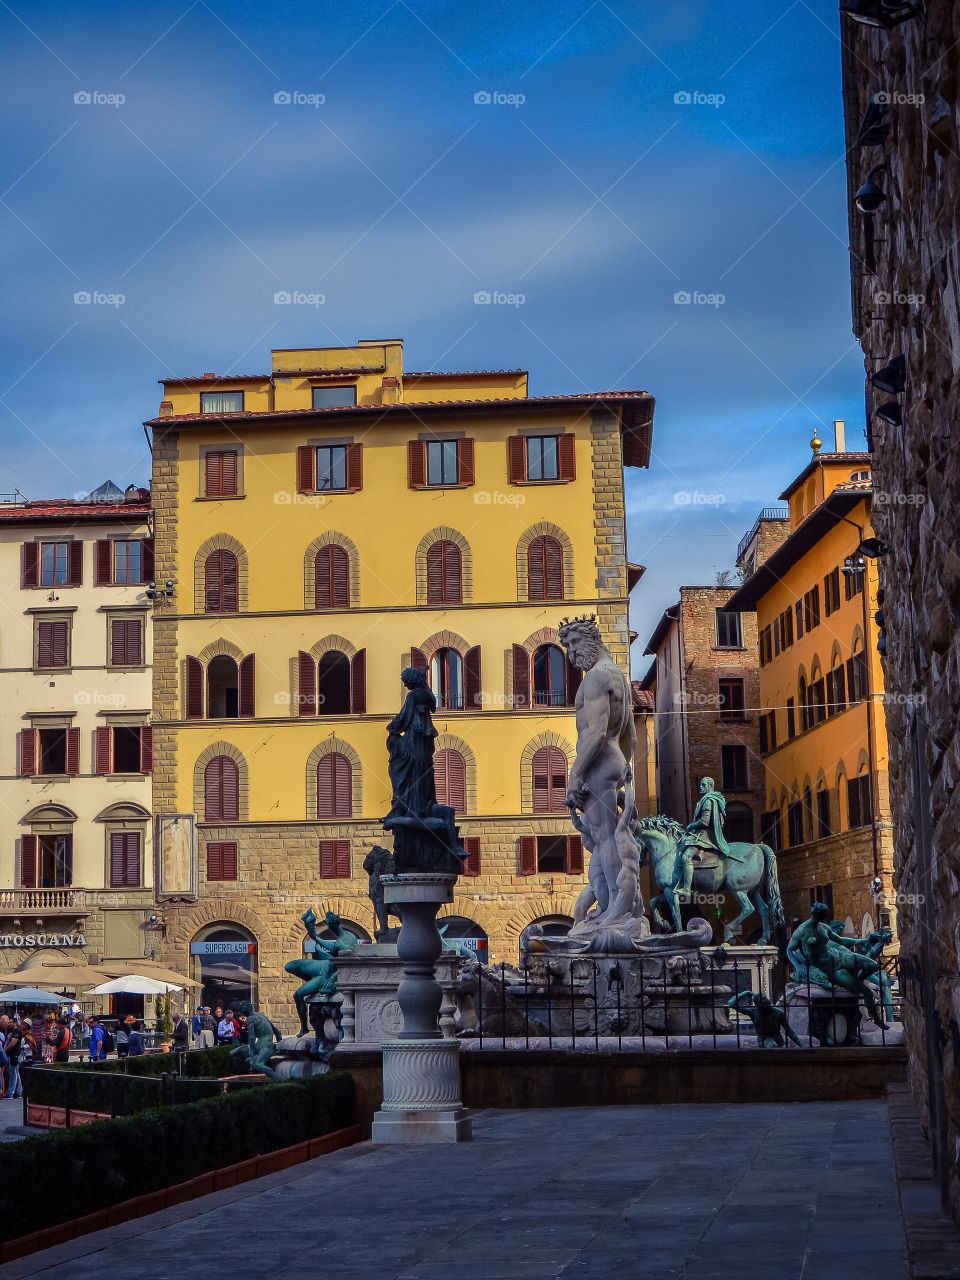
(377, 864)
(823, 957)
(410, 744)
(261, 1033)
(769, 1019)
(320, 973)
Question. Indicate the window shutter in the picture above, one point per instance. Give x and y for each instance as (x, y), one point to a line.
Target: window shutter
(574, 676)
(553, 569)
(568, 456)
(335, 859)
(472, 680)
(521, 677)
(574, 856)
(230, 570)
(354, 466)
(248, 686)
(214, 863)
(28, 862)
(103, 741)
(76, 563)
(222, 860)
(418, 660)
(146, 749)
(528, 855)
(118, 859)
(516, 463)
(221, 785)
(471, 866)
(536, 584)
(306, 463)
(53, 643)
(332, 578)
(148, 560)
(358, 683)
(30, 565)
(28, 753)
(416, 464)
(306, 685)
(126, 636)
(450, 771)
(73, 752)
(194, 681)
(452, 573)
(103, 559)
(466, 469)
(334, 786)
(549, 780)
(435, 573)
(212, 484)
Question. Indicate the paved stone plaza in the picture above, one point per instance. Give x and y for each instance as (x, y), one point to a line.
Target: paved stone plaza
(699, 1192)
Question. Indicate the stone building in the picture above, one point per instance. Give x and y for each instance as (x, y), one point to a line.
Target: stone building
(76, 867)
(901, 112)
(323, 526)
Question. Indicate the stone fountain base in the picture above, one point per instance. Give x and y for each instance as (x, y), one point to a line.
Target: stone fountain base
(421, 1090)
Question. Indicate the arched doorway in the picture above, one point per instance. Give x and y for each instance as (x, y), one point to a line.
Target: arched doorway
(224, 958)
(552, 926)
(460, 929)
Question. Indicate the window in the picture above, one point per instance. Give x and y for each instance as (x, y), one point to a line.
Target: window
(331, 467)
(440, 463)
(768, 732)
(53, 750)
(791, 719)
(860, 801)
(770, 829)
(46, 862)
(822, 893)
(471, 845)
(54, 564)
(543, 457)
(857, 677)
(123, 562)
(221, 790)
(450, 771)
(125, 870)
(222, 860)
(549, 676)
(795, 823)
(733, 761)
(221, 402)
(126, 750)
(836, 691)
(549, 780)
(811, 608)
(334, 786)
(729, 634)
(798, 614)
(442, 468)
(446, 679)
(333, 680)
(817, 703)
(853, 581)
(223, 689)
(550, 854)
(334, 397)
(335, 859)
(831, 592)
(53, 643)
(732, 699)
(221, 473)
(738, 823)
(336, 686)
(332, 573)
(221, 582)
(126, 642)
(128, 561)
(545, 569)
(824, 824)
(766, 646)
(123, 749)
(49, 751)
(444, 573)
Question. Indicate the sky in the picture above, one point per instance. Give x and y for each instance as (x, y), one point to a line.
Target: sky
(647, 196)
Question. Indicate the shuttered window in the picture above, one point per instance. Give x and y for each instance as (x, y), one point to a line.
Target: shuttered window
(549, 780)
(126, 642)
(335, 859)
(545, 569)
(472, 865)
(222, 860)
(542, 459)
(332, 578)
(334, 786)
(548, 855)
(53, 643)
(125, 859)
(220, 474)
(221, 790)
(333, 675)
(444, 573)
(221, 582)
(450, 771)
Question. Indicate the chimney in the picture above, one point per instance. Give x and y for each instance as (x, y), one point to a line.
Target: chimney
(839, 435)
(390, 391)
(166, 408)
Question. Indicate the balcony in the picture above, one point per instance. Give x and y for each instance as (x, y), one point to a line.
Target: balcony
(15, 902)
(768, 513)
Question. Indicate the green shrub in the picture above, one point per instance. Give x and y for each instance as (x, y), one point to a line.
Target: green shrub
(69, 1173)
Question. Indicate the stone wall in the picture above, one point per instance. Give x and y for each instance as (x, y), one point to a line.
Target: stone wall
(844, 861)
(906, 294)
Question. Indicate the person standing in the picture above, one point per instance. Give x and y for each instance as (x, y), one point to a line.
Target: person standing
(123, 1036)
(97, 1047)
(13, 1047)
(181, 1033)
(61, 1038)
(135, 1039)
(226, 1029)
(208, 1029)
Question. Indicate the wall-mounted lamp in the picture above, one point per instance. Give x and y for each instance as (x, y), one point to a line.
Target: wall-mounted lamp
(871, 195)
(892, 378)
(891, 413)
(881, 13)
(873, 548)
(157, 592)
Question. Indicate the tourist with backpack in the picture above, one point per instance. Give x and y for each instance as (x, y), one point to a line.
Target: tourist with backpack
(97, 1037)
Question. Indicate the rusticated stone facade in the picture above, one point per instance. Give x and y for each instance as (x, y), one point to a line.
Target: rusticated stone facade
(905, 265)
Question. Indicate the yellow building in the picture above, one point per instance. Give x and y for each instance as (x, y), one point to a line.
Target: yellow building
(823, 730)
(322, 527)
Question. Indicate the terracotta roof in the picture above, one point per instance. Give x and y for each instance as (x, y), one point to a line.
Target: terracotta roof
(216, 379)
(818, 459)
(667, 618)
(465, 373)
(643, 699)
(649, 678)
(67, 510)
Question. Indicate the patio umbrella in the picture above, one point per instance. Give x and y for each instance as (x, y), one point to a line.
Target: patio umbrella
(146, 969)
(134, 985)
(59, 974)
(30, 995)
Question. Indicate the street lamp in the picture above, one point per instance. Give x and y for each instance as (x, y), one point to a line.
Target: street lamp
(881, 13)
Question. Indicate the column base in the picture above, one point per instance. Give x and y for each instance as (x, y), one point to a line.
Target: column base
(421, 1093)
(421, 1128)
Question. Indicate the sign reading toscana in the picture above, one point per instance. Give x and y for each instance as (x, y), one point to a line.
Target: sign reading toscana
(43, 939)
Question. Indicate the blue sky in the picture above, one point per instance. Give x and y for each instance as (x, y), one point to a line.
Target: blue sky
(585, 187)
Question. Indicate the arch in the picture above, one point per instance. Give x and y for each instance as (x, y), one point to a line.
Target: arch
(331, 538)
(222, 976)
(334, 683)
(351, 909)
(843, 800)
(221, 648)
(328, 746)
(223, 688)
(533, 908)
(549, 676)
(199, 773)
(444, 573)
(48, 813)
(546, 739)
(544, 529)
(816, 669)
(123, 812)
(444, 534)
(221, 542)
(444, 640)
(332, 642)
(485, 917)
(856, 643)
(188, 921)
(836, 656)
(450, 741)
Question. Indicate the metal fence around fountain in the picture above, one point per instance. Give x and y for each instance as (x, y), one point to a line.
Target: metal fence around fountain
(543, 1005)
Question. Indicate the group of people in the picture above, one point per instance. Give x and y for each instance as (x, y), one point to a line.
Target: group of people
(210, 1026)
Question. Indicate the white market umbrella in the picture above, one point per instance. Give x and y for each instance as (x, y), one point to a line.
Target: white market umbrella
(134, 985)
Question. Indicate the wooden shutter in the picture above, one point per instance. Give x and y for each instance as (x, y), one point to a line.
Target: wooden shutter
(452, 573)
(146, 749)
(573, 677)
(450, 772)
(194, 676)
(30, 565)
(472, 680)
(53, 643)
(126, 647)
(472, 865)
(334, 786)
(222, 860)
(567, 468)
(306, 685)
(28, 753)
(221, 474)
(221, 786)
(574, 856)
(528, 855)
(358, 683)
(521, 677)
(103, 560)
(354, 467)
(335, 859)
(466, 468)
(230, 572)
(28, 862)
(418, 660)
(75, 556)
(221, 576)
(306, 468)
(416, 463)
(516, 463)
(332, 578)
(73, 752)
(103, 754)
(148, 560)
(549, 780)
(248, 686)
(545, 569)
(124, 859)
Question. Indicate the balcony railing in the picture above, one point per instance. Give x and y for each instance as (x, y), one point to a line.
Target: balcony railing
(15, 901)
(768, 513)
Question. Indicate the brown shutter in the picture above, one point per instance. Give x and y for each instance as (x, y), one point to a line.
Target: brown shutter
(221, 786)
(194, 689)
(418, 660)
(213, 472)
(28, 753)
(28, 862)
(528, 855)
(248, 686)
(103, 740)
(306, 463)
(306, 685)
(536, 570)
(148, 560)
(521, 677)
(75, 575)
(452, 573)
(146, 749)
(335, 859)
(472, 680)
(553, 569)
(30, 565)
(222, 860)
(332, 578)
(435, 573)
(466, 469)
(334, 786)
(214, 863)
(568, 456)
(103, 559)
(516, 461)
(126, 642)
(358, 683)
(118, 859)
(354, 466)
(73, 752)
(573, 678)
(45, 644)
(472, 865)
(574, 856)
(541, 780)
(228, 473)
(450, 771)
(230, 571)
(416, 464)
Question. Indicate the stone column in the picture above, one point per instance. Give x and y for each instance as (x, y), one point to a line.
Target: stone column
(421, 1069)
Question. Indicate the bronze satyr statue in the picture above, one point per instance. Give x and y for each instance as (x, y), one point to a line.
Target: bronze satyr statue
(320, 973)
(260, 1034)
(377, 864)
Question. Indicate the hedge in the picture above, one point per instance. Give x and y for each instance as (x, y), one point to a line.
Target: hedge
(66, 1174)
(196, 1063)
(103, 1086)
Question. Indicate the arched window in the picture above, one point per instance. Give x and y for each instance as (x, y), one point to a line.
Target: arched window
(223, 689)
(227, 973)
(549, 780)
(221, 578)
(738, 824)
(221, 790)
(545, 569)
(446, 679)
(552, 926)
(332, 578)
(450, 771)
(444, 573)
(460, 929)
(549, 676)
(334, 786)
(333, 680)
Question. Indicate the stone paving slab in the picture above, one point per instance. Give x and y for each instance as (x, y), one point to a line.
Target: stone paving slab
(804, 1191)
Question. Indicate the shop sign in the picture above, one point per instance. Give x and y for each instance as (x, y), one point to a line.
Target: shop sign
(223, 948)
(43, 940)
